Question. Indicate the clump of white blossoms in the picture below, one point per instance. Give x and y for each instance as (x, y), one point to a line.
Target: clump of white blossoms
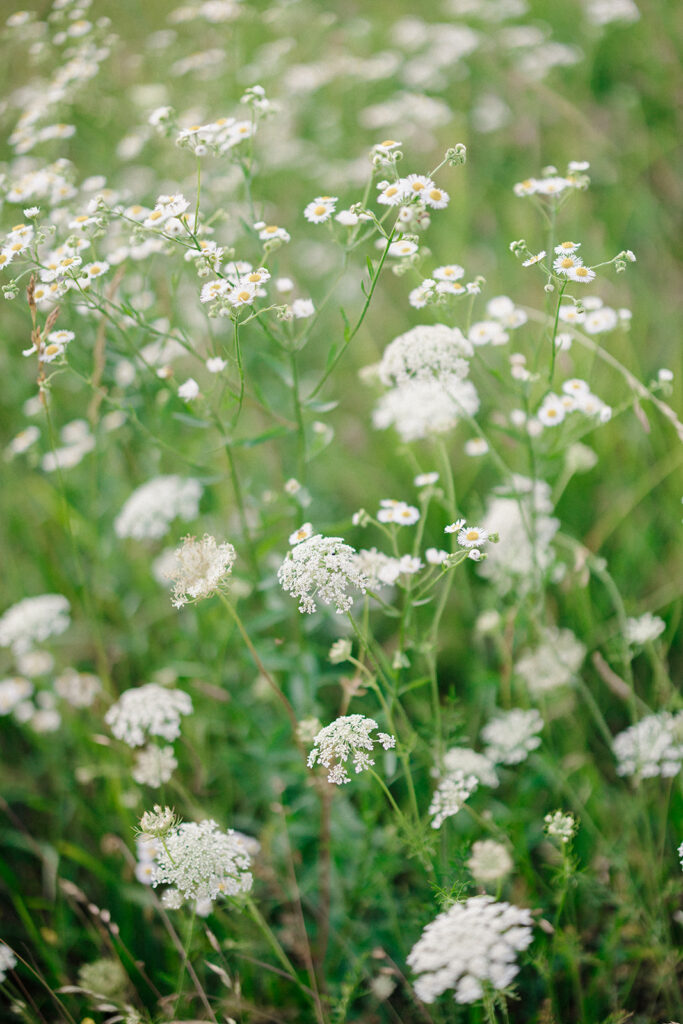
(469, 945)
(451, 795)
(33, 620)
(149, 710)
(202, 862)
(512, 735)
(154, 766)
(652, 747)
(471, 763)
(347, 737)
(425, 352)
(8, 961)
(200, 568)
(489, 862)
(554, 662)
(324, 568)
(560, 825)
(419, 408)
(644, 629)
(151, 509)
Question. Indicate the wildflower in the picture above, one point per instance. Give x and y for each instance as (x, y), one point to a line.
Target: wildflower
(398, 512)
(600, 320)
(347, 737)
(487, 332)
(215, 364)
(8, 961)
(308, 728)
(435, 197)
(201, 568)
(425, 352)
(105, 977)
(151, 509)
(476, 446)
(470, 763)
(583, 275)
(324, 568)
(79, 689)
(512, 735)
(552, 411)
(553, 663)
(392, 195)
(532, 260)
(566, 262)
(340, 651)
(189, 390)
(426, 479)
(303, 308)
(449, 272)
(154, 766)
(148, 710)
(468, 946)
(12, 692)
(201, 862)
(653, 747)
(321, 209)
(643, 630)
(489, 861)
(472, 536)
(567, 248)
(303, 533)
(451, 795)
(33, 620)
(560, 826)
(454, 527)
(403, 248)
(156, 824)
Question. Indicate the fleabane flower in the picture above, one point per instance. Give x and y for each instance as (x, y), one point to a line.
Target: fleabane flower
(398, 512)
(392, 194)
(472, 536)
(347, 738)
(149, 710)
(582, 275)
(469, 946)
(322, 568)
(201, 568)
(320, 209)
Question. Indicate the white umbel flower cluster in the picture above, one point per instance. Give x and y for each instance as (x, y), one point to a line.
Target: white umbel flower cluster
(554, 662)
(560, 825)
(324, 568)
(201, 862)
(149, 710)
(424, 353)
(451, 795)
(468, 946)
(33, 620)
(151, 508)
(471, 763)
(489, 862)
(200, 568)
(347, 737)
(644, 629)
(512, 735)
(154, 766)
(652, 747)
(8, 961)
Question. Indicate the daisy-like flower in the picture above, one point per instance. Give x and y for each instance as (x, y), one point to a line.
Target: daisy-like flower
(149, 710)
(436, 556)
(347, 738)
(392, 194)
(388, 146)
(551, 186)
(475, 447)
(449, 272)
(566, 248)
(303, 533)
(417, 186)
(472, 537)
(303, 308)
(532, 260)
(571, 315)
(320, 209)
(469, 946)
(566, 262)
(454, 527)
(398, 512)
(426, 479)
(214, 290)
(451, 795)
(189, 390)
(552, 411)
(271, 232)
(243, 295)
(33, 620)
(202, 862)
(435, 197)
(582, 275)
(512, 735)
(403, 248)
(201, 568)
(323, 568)
(575, 386)
(526, 187)
(487, 332)
(215, 364)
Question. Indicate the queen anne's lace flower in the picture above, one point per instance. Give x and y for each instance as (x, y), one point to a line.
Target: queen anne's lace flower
(347, 737)
(560, 826)
(420, 408)
(423, 353)
(323, 568)
(451, 795)
(468, 945)
(470, 763)
(33, 620)
(149, 710)
(512, 735)
(643, 630)
(8, 961)
(654, 746)
(201, 862)
(553, 663)
(154, 766)
(490, 861)
(151, 509)
(200, 568)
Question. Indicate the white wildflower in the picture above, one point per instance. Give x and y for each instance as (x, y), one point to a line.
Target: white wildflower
(201, 862)
(489, 861)
(189, 390)
(33, 620)
(653, 747)
(77, 688)
(323, 568)
(471, 763)
(201, 568)
(553, 663)
(425, 352)
(8, 961)
(468, 946)
(12, 692)
(512, 735)
(451, 795)
(560, 825)
(420, 408)
(347, 737)
(149, 710)
(644, 629)
(151, 509)
(154, 765)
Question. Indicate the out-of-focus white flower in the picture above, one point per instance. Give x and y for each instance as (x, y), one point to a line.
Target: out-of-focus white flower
(512, 735)
(652, 747)
(151, 509)
(149, 710)
(201, 568)
(33, 620)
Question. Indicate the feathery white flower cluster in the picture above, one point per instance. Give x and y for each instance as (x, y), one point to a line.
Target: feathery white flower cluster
(201, 862)
(79, 689)
(148, 710)
(560, 826)
(512, 735)
(521, 518)
(425, 371)
(324, 568)
(469, 945)
(346, 737)
(8, 961)
(652, 747)
(553, 663)
(200, 568)
(471, 763)
(33, 620)
(643, 630)
(150, 510)
(451, 795)
(489, 861)
(154, 766)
